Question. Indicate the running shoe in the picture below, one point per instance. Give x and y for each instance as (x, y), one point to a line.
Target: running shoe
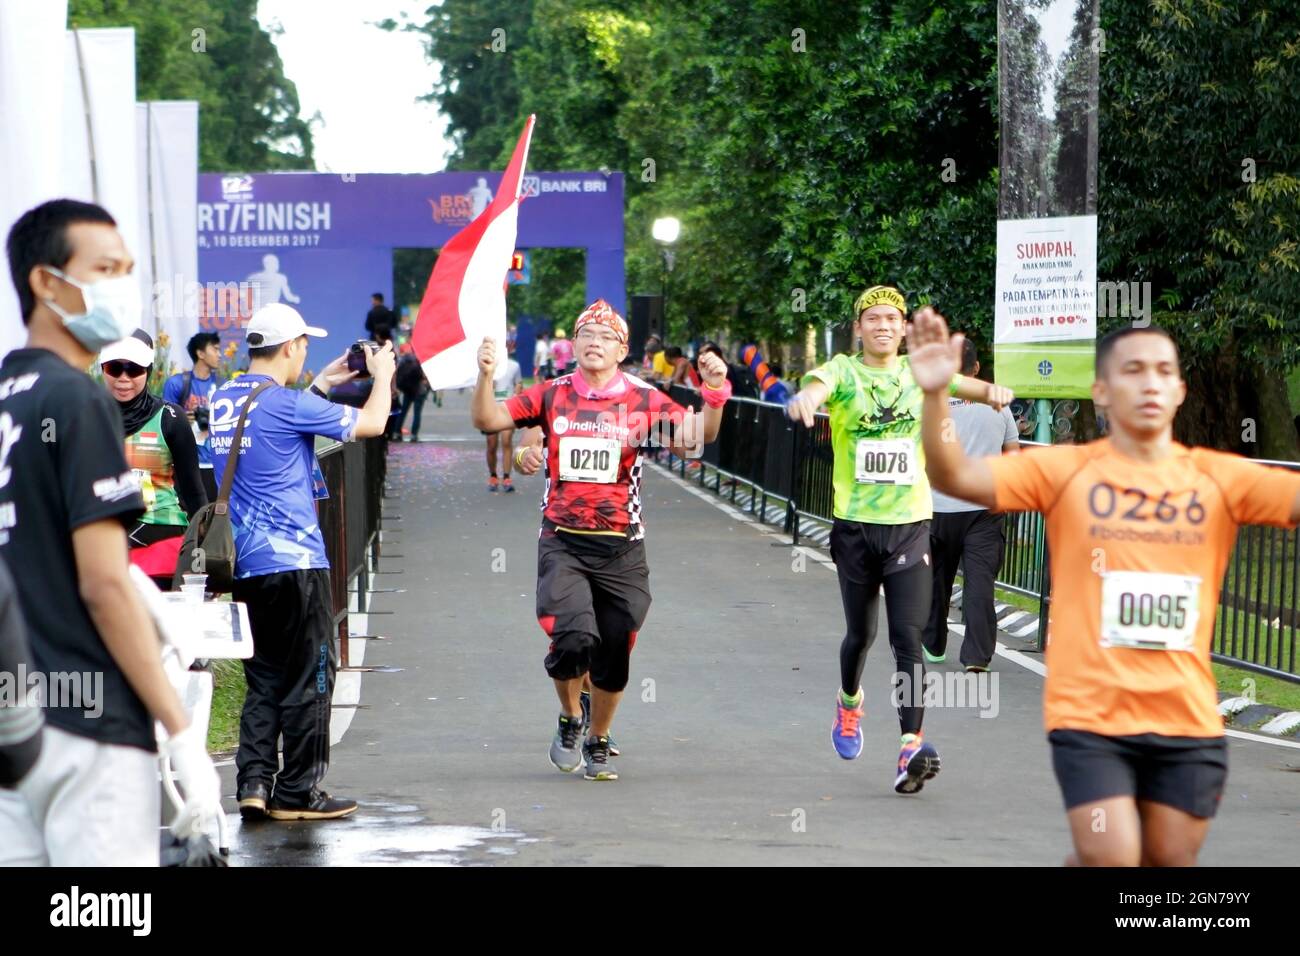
(930, 658)
(253, 798)
(846, 734)
(917, 763)
(319, 805)
(596, 753)
(584, 699)
(976, 669)
(506, 485)
(493, 483)
(565, 755)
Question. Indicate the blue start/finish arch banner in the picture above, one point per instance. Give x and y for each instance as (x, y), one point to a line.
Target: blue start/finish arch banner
(323, 242)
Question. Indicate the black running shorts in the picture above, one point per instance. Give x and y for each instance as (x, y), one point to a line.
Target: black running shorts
(1187, 773)
(864, 553)
(592, 598)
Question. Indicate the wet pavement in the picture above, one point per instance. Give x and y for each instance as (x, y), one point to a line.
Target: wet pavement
(725, 725)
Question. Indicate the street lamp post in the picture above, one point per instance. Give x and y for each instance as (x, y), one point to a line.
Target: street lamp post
(665, 232)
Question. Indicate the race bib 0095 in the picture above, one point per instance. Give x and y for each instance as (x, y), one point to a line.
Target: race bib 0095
(1149, 611)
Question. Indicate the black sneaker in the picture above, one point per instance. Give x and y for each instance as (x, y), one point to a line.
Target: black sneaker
(321, 806)
(252, 798)
(596, 753)
(585, 700)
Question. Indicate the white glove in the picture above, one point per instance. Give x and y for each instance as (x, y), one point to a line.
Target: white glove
(198, 782)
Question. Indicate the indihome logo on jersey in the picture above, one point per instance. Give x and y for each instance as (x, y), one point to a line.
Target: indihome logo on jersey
(636, 429)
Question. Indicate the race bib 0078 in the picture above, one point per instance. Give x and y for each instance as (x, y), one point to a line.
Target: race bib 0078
(885, 462)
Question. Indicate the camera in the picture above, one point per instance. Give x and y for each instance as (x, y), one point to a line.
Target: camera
(201, 418)
(357, 356)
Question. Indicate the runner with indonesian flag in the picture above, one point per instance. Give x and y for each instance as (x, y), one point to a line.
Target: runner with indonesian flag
(592, 580)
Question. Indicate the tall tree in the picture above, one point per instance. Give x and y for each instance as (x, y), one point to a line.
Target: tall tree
(1200, 196)
(215, 52)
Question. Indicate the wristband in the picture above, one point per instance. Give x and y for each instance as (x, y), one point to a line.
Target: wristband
(954, 385)
(316, 388)
(519, 458)
(716, 397)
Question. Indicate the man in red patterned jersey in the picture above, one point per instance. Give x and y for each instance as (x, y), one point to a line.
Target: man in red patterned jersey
(592, 580)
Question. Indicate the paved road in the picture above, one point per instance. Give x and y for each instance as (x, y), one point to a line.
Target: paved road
(725, 727)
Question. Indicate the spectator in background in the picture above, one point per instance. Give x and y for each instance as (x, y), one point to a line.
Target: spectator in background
(160, 450)
(281, 571)
(20, 720)
(542, 358)
(740, 377)
(561, 354)
(680, 365)
(192, 391)
(965, 533)
(380, 320)
(656, 366)
(93, 798)
(413, 387)
(509, 381)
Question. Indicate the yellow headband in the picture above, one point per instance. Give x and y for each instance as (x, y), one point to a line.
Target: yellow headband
(880, 295)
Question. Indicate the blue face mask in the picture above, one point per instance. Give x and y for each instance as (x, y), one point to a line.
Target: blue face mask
(112, 309)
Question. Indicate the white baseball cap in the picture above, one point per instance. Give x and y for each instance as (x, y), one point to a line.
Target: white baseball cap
(136, 347)
(276, 324)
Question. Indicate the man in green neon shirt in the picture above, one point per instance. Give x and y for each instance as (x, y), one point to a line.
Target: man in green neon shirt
(881, 532)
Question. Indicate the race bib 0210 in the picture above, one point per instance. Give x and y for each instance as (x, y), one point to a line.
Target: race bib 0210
(1149, 611)
(885, 462)
(592, 460)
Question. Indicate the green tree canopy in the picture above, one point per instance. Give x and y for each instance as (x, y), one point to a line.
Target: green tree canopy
(248, 109)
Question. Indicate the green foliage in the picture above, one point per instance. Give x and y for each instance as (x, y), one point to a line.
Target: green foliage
(802, 144)
(213, 51)
(1195, 94)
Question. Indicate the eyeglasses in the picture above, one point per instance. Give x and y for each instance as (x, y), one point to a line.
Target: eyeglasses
(117, 368)
(591, 335)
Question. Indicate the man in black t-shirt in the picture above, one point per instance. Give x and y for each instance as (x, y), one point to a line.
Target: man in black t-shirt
(380, 320)
(20, 721)
(66, 493)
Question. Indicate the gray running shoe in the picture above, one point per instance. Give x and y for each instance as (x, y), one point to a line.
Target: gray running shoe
(585, 700)
(599, 766)
(565, 753)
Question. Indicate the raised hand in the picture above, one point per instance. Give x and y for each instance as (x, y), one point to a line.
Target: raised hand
(487, 357)
(713, 370)
(934, 356)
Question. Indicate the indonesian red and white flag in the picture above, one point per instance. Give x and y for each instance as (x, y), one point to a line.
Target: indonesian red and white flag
(466, 296)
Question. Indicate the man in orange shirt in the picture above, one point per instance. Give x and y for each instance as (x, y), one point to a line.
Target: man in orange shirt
(1142, 528)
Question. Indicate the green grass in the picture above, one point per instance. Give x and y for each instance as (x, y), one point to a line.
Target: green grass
(1268, 690)
(1273, 647)
(1230, 680)
(1016, 600)
(227, 701)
